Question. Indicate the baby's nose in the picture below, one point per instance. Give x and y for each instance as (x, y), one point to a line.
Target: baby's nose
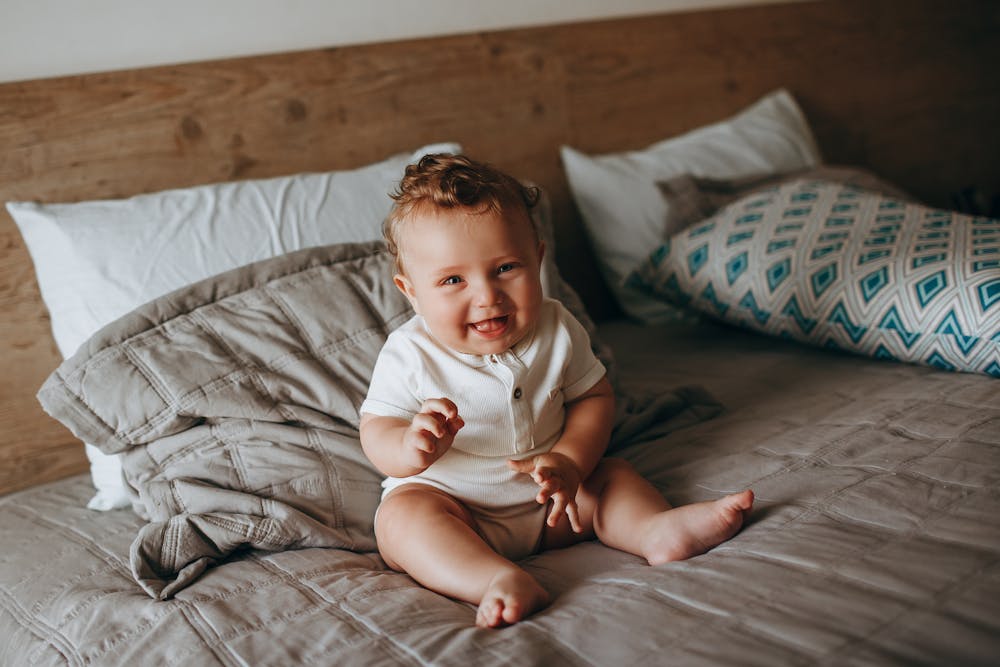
(488, 295)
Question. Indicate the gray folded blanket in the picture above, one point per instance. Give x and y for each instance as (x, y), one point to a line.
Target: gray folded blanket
(234, 404)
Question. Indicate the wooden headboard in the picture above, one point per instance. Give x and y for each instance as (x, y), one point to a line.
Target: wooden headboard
(904, 87)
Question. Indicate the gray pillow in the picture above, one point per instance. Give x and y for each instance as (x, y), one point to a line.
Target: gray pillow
(234, 404)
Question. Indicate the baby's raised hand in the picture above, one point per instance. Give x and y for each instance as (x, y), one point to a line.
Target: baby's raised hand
(559, 480)
(431, 432)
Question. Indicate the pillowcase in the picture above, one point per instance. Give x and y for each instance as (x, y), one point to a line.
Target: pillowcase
(839, 266)
(98, 260)
(621, 206)
(691, 199)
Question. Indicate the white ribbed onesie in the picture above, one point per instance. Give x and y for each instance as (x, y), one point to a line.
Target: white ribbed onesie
(512, 404)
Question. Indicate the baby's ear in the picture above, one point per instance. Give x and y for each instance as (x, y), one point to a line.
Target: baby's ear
(404, 285)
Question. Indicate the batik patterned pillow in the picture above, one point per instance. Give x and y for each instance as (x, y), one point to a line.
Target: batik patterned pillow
(835, 265)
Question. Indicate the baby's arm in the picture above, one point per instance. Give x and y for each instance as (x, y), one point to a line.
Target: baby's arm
(401, 448)
(587, 431)
(585, 436)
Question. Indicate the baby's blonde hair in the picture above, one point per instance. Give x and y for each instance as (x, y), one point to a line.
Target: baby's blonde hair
(444, 180)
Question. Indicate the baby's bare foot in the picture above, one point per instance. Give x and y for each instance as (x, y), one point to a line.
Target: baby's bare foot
(511, 596)
(690, 530)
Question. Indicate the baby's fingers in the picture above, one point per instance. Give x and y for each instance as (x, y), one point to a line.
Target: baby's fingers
(442, 406)
(432, 423)
(526, 466)
(455, 425)
(560, 506)
(573, 514)
(424, 441)
(558, 509)
(547, 487)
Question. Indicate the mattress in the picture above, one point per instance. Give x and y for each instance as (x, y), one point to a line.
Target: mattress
(875, 539)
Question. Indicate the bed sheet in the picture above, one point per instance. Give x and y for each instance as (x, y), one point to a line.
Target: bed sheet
(875, 539)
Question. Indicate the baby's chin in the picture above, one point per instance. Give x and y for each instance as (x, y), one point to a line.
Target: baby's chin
(484, 348)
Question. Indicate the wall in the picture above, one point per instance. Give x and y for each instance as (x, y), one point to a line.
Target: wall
(43, 38)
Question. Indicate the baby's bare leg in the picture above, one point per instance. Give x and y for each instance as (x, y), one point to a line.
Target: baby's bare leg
(429, 535)
(631, 515)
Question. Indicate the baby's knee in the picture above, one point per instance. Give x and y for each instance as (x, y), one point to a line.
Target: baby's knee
(407, 508)
(410, 514)
(610, 471)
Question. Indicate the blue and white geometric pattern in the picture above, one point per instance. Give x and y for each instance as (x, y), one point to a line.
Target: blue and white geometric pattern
(837, 266)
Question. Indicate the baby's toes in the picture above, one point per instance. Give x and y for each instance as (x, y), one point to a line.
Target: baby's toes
(512, 612)
(490, 613)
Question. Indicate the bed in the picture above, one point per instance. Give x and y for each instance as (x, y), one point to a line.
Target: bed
(172, 302)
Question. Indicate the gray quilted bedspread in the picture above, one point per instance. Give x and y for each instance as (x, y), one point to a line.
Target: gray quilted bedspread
(875, 541)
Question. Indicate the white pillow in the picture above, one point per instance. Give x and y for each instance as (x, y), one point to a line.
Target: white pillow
(98, 260)
(622, 207)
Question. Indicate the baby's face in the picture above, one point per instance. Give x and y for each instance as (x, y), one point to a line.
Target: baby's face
(474, 277)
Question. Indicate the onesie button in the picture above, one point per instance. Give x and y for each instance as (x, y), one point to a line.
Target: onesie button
(517, 392)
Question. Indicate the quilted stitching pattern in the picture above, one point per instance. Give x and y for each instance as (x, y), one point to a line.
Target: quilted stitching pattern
(875, 540)
(837, 266)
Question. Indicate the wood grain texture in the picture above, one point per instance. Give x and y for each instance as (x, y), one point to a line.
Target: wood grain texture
(903, 87)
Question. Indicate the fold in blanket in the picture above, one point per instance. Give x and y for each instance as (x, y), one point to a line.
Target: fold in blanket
(234, 404)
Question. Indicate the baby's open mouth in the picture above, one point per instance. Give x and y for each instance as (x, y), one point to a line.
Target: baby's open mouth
(490, 326)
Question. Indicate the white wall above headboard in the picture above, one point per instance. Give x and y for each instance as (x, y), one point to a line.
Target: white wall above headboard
(44, 38)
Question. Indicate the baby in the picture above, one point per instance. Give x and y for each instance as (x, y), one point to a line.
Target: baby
(490, 414)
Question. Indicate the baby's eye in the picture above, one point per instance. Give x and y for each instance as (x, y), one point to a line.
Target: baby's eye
(504, 268)
(451, 280)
